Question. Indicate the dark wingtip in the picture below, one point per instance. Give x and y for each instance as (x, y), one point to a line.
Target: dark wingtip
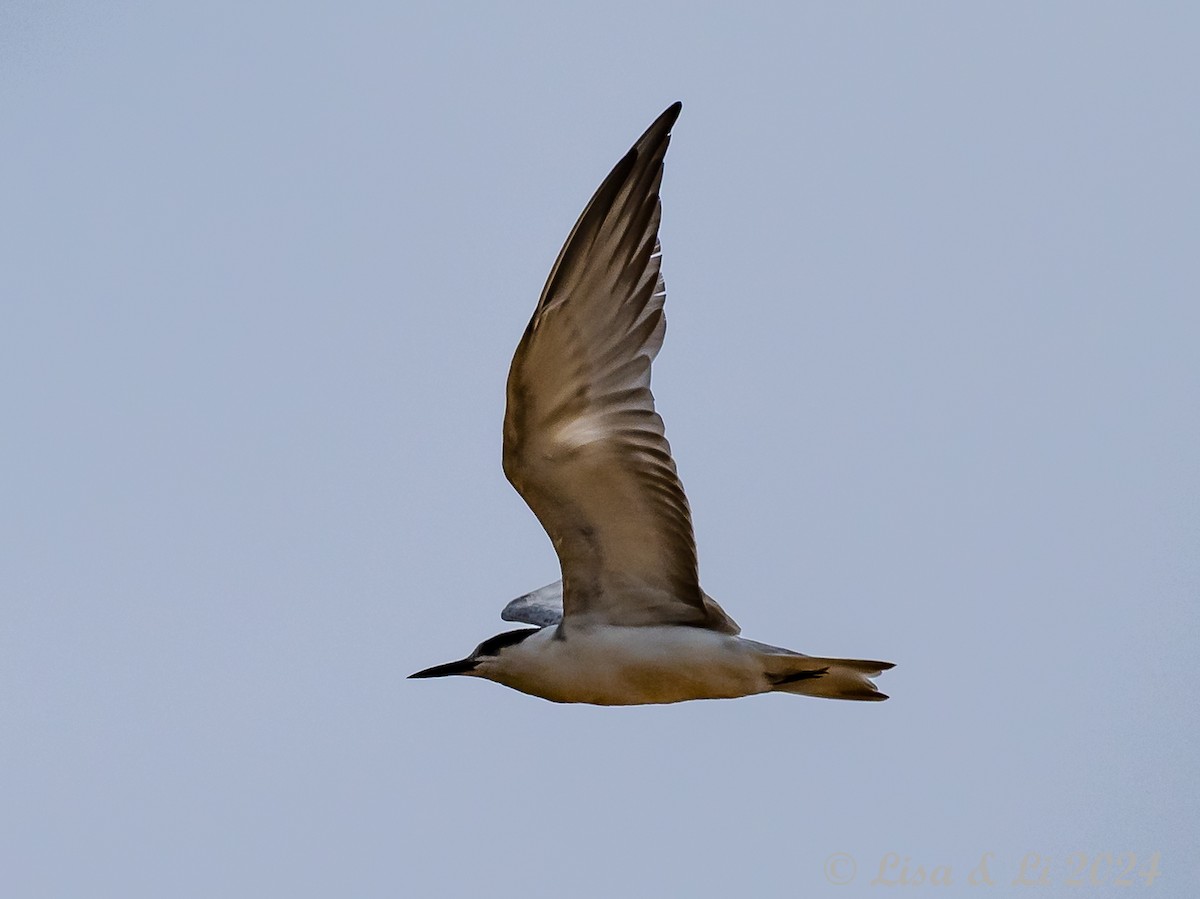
(656, 134)
(668, 117)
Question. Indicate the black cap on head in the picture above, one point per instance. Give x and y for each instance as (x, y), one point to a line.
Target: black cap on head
(489, 648)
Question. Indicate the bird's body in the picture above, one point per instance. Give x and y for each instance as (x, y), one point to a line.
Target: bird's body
(585, 448)
(613, 665)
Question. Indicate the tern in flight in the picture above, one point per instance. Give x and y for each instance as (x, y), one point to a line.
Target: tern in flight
(628, 623)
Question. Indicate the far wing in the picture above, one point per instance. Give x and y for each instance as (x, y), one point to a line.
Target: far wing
(543, 607)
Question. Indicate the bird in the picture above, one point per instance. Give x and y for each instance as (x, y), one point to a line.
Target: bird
(628, 623)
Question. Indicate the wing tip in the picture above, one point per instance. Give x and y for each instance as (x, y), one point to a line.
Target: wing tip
(661, 127)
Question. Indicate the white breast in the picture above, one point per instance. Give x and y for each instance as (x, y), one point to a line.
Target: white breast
(607, 665)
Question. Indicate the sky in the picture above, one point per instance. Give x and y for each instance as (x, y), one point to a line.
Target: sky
(930, 378)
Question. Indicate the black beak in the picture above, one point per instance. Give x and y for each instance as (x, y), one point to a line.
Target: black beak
(462, 666)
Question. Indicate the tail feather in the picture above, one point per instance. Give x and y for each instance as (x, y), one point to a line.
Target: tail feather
(827, 678)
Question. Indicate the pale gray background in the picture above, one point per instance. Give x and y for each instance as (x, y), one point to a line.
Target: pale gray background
(931, 377)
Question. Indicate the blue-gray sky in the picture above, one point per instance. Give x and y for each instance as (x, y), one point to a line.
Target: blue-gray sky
(931, 379)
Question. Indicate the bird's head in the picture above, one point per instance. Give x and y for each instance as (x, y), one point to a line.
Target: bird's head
(484, 656)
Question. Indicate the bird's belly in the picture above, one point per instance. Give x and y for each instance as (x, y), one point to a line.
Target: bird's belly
(640, 665)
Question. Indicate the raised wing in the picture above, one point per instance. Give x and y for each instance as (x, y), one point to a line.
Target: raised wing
(582, 442)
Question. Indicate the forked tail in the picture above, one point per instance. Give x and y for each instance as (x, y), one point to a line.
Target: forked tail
(827, 678)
